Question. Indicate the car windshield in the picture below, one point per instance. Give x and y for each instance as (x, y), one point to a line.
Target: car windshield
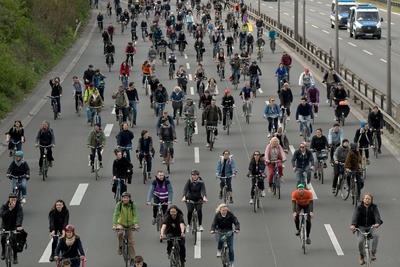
(344, 9)
(367, 16)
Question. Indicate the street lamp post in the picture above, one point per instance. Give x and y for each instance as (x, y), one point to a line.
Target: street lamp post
(279, 15)
(389, 60)
(296, 20)
(337, 37)
(304, 23)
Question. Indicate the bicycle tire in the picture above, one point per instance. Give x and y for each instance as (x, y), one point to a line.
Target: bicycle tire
(131, 119)
(258, 202)
(168, 168)
(342, 119)
(194, 228)
(109, 67)
(367, 256)
(55, 110)
(274, 187)
(96, 167)
(355, 195)
(225, 195)
(125, 253)
(44, 168)
(256, 196)
(9, 255)
(303, 233)
(344, 189)
(375, 142)
(339, 184)
(173, 260)
(364, 172)
(225, 257)
(117, 195)
(144, 172)
(158, 223)
(247, 118)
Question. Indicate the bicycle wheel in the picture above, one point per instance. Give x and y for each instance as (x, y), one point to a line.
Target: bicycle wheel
(375, 142)
(248, 118)
(225, 195)
(256, 199)
(344, 188)
(167, 161)
(118, 195)
(55, 110)
(194, 228)
(125, 253)
(96, 167)
(9, 255)
(355, 195)
(173, 260)
(339, 184)
(144, 172)
(274, 185)
(367, 257)
(303, 236)
(131, 117)
(225, 257)
(158, 222)
(44, 168)
(364, 171)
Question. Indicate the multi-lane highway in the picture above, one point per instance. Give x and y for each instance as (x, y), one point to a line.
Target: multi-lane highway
(266, 239)
(365, 57)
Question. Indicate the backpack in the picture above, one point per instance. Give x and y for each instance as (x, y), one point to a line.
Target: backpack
(20, 240)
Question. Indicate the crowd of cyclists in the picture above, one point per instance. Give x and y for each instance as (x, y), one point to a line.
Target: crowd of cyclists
(195, 19)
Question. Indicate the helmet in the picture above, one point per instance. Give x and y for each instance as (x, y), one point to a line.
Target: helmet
(19, 154)
(91, 84)
(255, 61)
(97, 70)
(227, 91)
(126, 194)
(172, 53)
(306, 70)
(69, 228)
(195, 172)
(300, 186)
(342, 103)
(189, 98)
(12, 195)
(363, 123)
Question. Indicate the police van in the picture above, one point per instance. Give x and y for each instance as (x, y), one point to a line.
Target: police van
(343, 9)
(364, 21)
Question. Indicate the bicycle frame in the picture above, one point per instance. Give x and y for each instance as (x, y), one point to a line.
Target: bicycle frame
(96, 162)
(175, 259)
(17, 190)
(276, 182)
(212, 135)
(125, 244)
(194, 222)
(160, 214)
(367, 240)
(45, 163)
(8, 253)
(257, 192)
(225, 189)
(225, 247)
(118, 192)
(303, 227)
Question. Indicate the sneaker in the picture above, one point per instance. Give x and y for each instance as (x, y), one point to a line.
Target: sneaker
(223, 127)
(15, 260)
(231, 200)
(101, 164)
(297, 233)
(361, 260)
(50, 164)
(231, 264)
(23, 201)
(2, 255)
(281, 179)
(76, 112)
(269, 135)
(315, 115)
(208, 145)
(288, 119)
(232, 122)
(200, 228)
(327, 101)
(153, 221)
(169, 255)
(149, 176)
(308, 241)
(315, 176)
(10, 153)
(301, 133)
(140, 165)
(373, 256)
(163, 162)
(172, 161)
(251, 202)
(263, 193)
(333, 190)
(269, 190)
(51, 259)
(368, 162)
(187, 228)
(119, 250)
(88, 122)
(308, 186)
(325, 166)
(218, 253)
(59, 114)
(220, 194)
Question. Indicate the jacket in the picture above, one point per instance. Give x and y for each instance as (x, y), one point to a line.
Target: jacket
(375, 121)
(22, 168)
(45, 138)
(286, 96)
(335, 77)
(305, 110)
(159, 122)
(225, 224)
(56, 89)
(58, 220)
(124, 138)
(230, 166)
(121, 99)
(280, 153)
(11, 219)
(319, 143)
(87, 94)
(205, 101)
(335, 138)
(145, 148)
(235, 63)
(96, 138)
(146, 69)
(341, 153)
(126, 215)
(95, 102)
(120, 167)
(272, 111)
(124, 70)
(177, 97)
(301, 161)
(75, 250)
(212, 114)
(363, 137)
(353, 159)
(194, 190)
(167, 133)
(366, 217)
(153, 188)
(160, 96)
(257, 168)
(306, 79)
(286, 60)
(98, 81)
(313, 95)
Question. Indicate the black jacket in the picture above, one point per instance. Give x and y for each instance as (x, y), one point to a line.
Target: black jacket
(366, 217)
(75, 250)
(11, 219)
(22, 169)
(194, 190)
(224, 224)
(257, 169)
(58, 220)
(286, 96)
(120, 167)
(375, 121)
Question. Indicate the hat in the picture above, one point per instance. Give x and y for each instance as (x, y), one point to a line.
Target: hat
(98, 125)
(97, 70)
(300, 186)
(306, 70)
(90, 66)
(189, 98)
(363, 123)
(91, 84)
(345, 140)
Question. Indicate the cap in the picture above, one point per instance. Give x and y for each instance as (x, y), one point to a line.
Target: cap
(90, 66)
(160, 85)
(345, 140)
(19, 154)
(306, 70)
(227, 91)
(97, 124)
(97, 70)
(340, 84)
(363, 123)
(126, 194)
(300, 186)
(189, 98)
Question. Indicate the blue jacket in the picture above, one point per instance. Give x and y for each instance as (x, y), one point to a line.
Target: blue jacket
(281, 72)
(124, 138)
(98, 81)
(271, 112)
(230, 166)
(177, 97)
(301, 161)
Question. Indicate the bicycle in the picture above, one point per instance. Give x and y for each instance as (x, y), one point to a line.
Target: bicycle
(123, 26)
(131, 117)
(276, 182)
(54, 104)
(96, 162)
(235, 81)
(229, 50)
(284, 119)
(304, 131)
(225, 195)
(342, 183)
(162, 52)
(260, 53)
(175, 257)
(201, 86)
(189, 129)
(221, 70)
(8, 250)
(61, 259)
(160, 215)
(109, 61)
(228, 119)
(245, 68)
(17, 190)
(331, 89)
(272, 45)
(367, 240)
(257, 192)
(375, 142)
(303, 227)
(15, 148)
(120, 111)
(246, 111)
(199, 55)
(225, 247)
(144, 34)
(78, 98)
(124, 81)
(125, 244)
(215, 49)
(146, 175)
(146, 83)
(212, 135)
(195, 219)
(100, 26)
(253, 85)
(354, 188)
(167, 158)
(171, 71)
(321, 157)
(45, 162)
(118, 190)
(131, 57)
(95, 119)
(364, 161)
(181, 47)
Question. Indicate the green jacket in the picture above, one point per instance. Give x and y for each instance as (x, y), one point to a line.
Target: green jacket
(100, 138)
(126, 215)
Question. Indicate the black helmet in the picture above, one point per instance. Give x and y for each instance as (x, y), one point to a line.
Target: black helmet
(126, 194)
(195, 172)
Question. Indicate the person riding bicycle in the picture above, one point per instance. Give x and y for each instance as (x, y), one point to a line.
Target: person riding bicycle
(256, 167)
(182, 39)
(146, 69)
(124, 140)
(363, 137)
(99, 83)
(121, 169)
(56, 91)
(353, 164)
(162, 44)
(281, 74)
(335, 138)
(58, 220)
(189, 21)
(318, 143)
(303, 200)
(130, 51)
(106, 40)
(228, 103)
(14, 135)
(375, 121)
(143, 26)
(157, 35)
(272, 113)
(306, 79)
(96, 140)
(247, 95)
(161, 192)
(226, 168)
(121, 103)
(199, 47)
(190, 112)
(134, 25)
(222, 223)
(151, 56)
(146, 150)
(274, 154)
(260, 26)
(199, 76)
(19, 167)
(283, 140)
(172, 60)
(160, 99)
(313, 98)
(194, 190)
(111, 31)
(211, 116)
(250, 42)
(12, 217)
(172, 36)
(242, 39)
(229, 41)
(339, 94)
(235, 67)
(45, 137)
(364, 217)
(133, 99)
(220, 59)
(110, 52)
(286, 60)
(212, 86)
(152, 87)
(70, 247)
(124, 73)
(88, 74)
(286, 99)
(94, 100)
(339, 156)
(301, 161)
(304, 113)
(177, 96)
(167, 136)
(78, 90)
(254, 72)
(260, 42)
(173, 225)
(272, 35)
(126, 216)
(330, 78)
(182, 78)
(205, 100)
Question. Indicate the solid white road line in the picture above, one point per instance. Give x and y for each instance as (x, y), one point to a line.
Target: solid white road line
(312, 10)
(325, 31)
(323, 14)
(79, 193)
(113, 111)
(46, 254)
(334, 240)
(369, 53)
(312, 188)
(197, 247)
(287, 14)
(107, 129)
(188, 66)
(314, 26)
(186, 57)
(292, 149)
(196, 155)
(191, 90)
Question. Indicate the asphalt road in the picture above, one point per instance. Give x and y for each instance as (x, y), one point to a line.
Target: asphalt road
(266, 239)
(365, 57)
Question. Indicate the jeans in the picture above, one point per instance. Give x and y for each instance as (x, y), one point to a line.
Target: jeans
(257, 83)
(159, 106)
(337, 169)
(11, 145)
(165, 146)
(23, 186)
(224, 115)
(92, 155)
(230, 245)
(124, 112)
(128, 155)
(190, 209)
(249, 107)
(299, 174)
(281, 80)
(307, 119)
(90, 114)
(360, 239)
(133, 104)
(148, 160)
(228, 183)
(272, 121)
(125, 80)
(287, 107)
(306, 209)
(235, 72)
(101, 92)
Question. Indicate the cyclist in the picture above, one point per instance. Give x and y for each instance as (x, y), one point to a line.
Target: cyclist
(223, 222)
(189, 21)
(167, 136)
(94, 100)
(12, 217)
(313, 98)
(339, 156)
(121, 169)
(212, 87)
(160, 98)
(272, 112)
(106, 40)
(172, 60)
(273, 153)
(286, 99)
(98, 81)
(78, 90)
(182, 78)
(100, 19)
(124, 71)
(45, 137)
(146, 70)
(226, 167)
(363, 138)
(182, 39)
(143, 26)
(260, 42)
(375, 121)
(126, 216)
(272, 38)
(301, 161)
(190, 112)
(121, 103)
(254, 72)
(242, 39)
(58, 220)
(286, 60)
(97, 140)
(56, 91)
(211, 116)
(151, 57)
(339, 94)
(281, 74)
(283, 140)
(364, 216)
(330, 78)
(228, 102)
(174, 226)
(205, 100)
(88, 75)
(15, 134)
(247, 95)
(199, 75)
(130, 51)
(19, 167)
(199, 47)
(304, 113)
(145, 149)
(303, 200)
(177, 97)
(220, 59)
(194, 190)
(152, 87)
(250, 42)
(172, 36)
(305, 81)
(229, 41)
(110, 52)
(70, 246)
(318, 143)
(124, 139)
(352, 164)
(215, 40)
(160, 122)
(256, 167)
(134, 24)
(133, 99)
(111, 31)
(260, 25)
(161, 192)
(235, 67)
(335, 138)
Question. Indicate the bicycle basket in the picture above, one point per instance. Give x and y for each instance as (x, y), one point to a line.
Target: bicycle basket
(226, 236)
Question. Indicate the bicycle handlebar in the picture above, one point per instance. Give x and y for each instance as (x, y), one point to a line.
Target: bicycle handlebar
(195, 202)
(17, 176)
(44, 146)
(363, 233)
(126, 228)
(160, 204)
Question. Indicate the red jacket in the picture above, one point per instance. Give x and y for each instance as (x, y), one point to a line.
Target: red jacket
(124, 70)
(130, 49)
